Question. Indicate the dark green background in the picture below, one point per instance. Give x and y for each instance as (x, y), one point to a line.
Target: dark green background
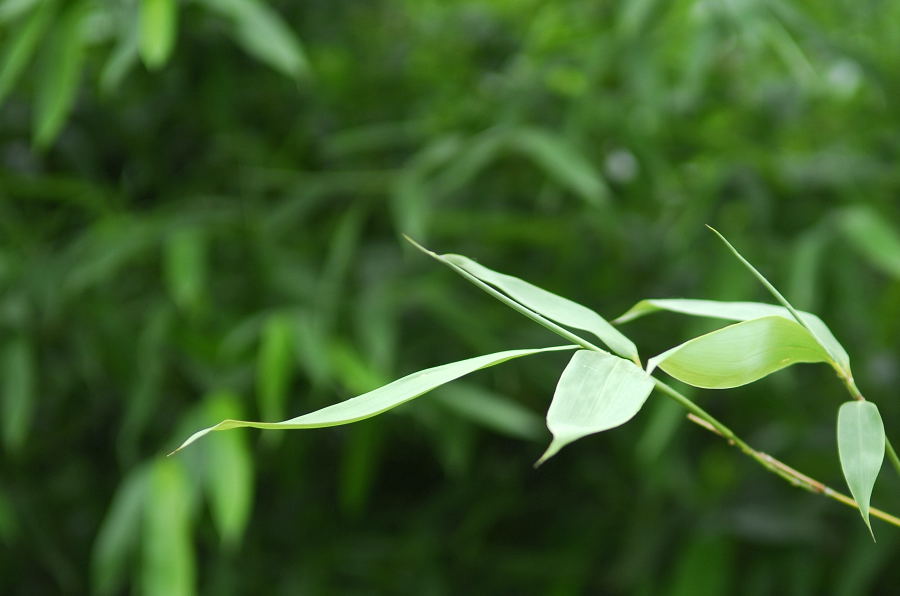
(215, 226)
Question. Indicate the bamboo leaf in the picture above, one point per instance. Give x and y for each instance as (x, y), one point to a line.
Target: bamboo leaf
(158, 30)
(276, 364)
(185, 267)
(861, 442)
(597, 391)
(492, 411)
(873, 237)
(382, 399)
(117, 539)
(18, 398)
(20, 47)
(167, 566)
(739, 311)
(60, 73)
(540, 301)
(741, 353)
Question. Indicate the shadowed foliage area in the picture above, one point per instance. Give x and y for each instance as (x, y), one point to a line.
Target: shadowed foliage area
(202, 205)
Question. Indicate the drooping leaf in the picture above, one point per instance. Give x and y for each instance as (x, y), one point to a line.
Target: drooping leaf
(861, 441)
(19, 48)
(57, 85)
(873, 237)
(544, 303)
(597, 391)
(117, 539)
(276, 364)
(264, 34)
(167, 564)
(741, 353)
(19, 395)
(381, 399)
(158, 30)
(739, 311)
(229, 479)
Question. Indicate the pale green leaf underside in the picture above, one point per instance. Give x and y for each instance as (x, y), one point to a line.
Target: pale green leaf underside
(558, 309)
(741, 353)
(381, 399)
(740, 311)
(597, 391)
(860, 435)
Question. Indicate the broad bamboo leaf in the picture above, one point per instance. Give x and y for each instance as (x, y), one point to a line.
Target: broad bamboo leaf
(837, 356)
(381, 399)
(597, 391)
(20, 47)
(275, 368)
(741, 353)
(60, 73)
(167, 565)
(873, 237)
(18, 398)
(739, 311)
(158, 30)
(117, 539)
(549, 305)
(860, 436)
(264, 34)
(229, 478)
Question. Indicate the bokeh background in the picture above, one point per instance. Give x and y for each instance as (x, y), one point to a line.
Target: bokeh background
(201, 209)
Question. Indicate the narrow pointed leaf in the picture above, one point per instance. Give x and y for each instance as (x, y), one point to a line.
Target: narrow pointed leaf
(544, 303)
(741, 353)
(860, 435)
(596, 392)
(739, 311)
(382, 399)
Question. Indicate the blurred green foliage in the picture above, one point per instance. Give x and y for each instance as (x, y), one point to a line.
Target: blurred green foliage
(200, 218)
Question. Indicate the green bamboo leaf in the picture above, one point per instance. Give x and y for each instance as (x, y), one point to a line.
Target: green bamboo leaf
(264, 34)
(117, 539)
(10, 10)
(873, 237)
(276, 363)
(861, 442)
(741, 353)
(185, 267)
(739, 311)
(492, 411)
(158, 30)
(20, 47)
(167, 565)
(18, 398)
(381, 399)
(540, 301)
(837, 356)
(230, 478)
(60, 73)
(597, 391)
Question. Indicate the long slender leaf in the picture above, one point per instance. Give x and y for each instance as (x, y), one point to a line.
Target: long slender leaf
(167, 565)
(741, 353)
(158, 30)
(18, 51)
(18, 398)
(547, 304)
(117, 539)
(596, 392)
(381, 399)
(860, 436)
(738, 311)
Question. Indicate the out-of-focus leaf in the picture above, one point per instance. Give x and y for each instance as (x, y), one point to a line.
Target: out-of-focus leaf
(19, 47)
(873, 237)
(159, 28)
(57, 84)
(185, 267)
(741, 353)
(739, 311)
(381, 399)
(275, 367)
(562, 162)
(167, 563)
(492, 411)
(860, 436)
(124, 55)
(117, 538)
(19, 395)
(264, 35)
(597, 391)
(547, 304)
(229, 472)
(412, 199)
(11, 9)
